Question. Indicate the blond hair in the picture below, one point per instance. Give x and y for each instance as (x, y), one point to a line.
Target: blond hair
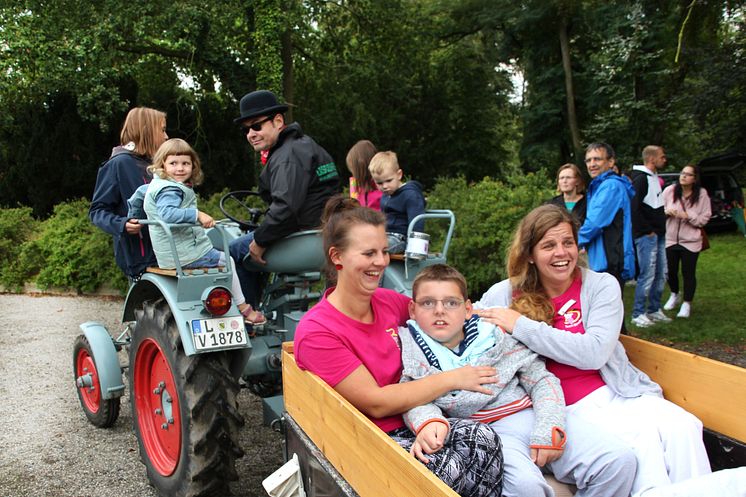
(176, 146)
(384, 161)
(143, 126)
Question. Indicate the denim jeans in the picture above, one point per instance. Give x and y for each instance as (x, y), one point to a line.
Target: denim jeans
(251, 282)
(651, 257)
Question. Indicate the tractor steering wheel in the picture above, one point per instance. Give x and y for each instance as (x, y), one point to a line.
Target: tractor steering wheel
(239, 197)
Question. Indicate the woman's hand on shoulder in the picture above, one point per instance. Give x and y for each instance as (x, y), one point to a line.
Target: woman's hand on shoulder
(501, 316)
(473, 378)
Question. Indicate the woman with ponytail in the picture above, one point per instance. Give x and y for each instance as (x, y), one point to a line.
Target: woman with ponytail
(350, 340)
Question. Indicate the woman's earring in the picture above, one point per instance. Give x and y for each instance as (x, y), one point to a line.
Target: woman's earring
(338, 267)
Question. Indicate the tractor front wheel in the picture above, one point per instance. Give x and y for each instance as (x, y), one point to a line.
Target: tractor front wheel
(101, 412)
(184, 409)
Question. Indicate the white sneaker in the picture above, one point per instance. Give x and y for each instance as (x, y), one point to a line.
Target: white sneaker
(673, 301)
(659, 316)
(684, 311)
(642, 321)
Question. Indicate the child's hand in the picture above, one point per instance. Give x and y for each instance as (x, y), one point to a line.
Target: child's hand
(542, 457)
(472, 378)
(429, 440)
(205, 219)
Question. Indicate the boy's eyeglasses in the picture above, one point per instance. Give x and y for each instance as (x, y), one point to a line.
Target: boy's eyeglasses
(448, 304)
(257, 126)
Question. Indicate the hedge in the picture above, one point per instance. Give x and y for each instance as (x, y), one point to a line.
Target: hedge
(67, 251)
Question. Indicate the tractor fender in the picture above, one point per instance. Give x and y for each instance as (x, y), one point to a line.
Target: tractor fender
(106, 359)
(184, 307)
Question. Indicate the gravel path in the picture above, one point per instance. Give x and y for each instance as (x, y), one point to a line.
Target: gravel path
(47, 446)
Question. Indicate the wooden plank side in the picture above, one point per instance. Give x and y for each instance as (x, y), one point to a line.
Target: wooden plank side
(713, 391)
(365, 456)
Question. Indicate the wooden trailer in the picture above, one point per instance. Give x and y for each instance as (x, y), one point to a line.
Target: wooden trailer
(342, 453)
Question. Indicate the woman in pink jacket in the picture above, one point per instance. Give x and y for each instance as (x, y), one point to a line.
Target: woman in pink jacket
(687, 208)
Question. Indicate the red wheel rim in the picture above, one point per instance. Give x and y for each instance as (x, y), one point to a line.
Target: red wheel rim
(157, 406)
(90, 396)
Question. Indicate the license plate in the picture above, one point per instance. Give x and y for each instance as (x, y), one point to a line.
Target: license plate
(218, 333)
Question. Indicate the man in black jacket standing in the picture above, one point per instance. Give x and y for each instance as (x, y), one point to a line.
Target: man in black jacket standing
(649, 232)
(296, 181)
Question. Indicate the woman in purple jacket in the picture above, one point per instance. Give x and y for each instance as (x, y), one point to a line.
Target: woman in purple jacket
(687, 208)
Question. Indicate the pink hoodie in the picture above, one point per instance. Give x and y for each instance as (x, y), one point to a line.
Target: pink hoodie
(686, 232)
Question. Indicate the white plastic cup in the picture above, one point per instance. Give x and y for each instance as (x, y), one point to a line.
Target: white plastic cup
(417, 245)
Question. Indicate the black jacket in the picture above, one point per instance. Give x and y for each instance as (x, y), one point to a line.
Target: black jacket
(117, 180)
(296, 182)
(578, 211)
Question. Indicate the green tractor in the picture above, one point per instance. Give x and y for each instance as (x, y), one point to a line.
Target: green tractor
(188, 353)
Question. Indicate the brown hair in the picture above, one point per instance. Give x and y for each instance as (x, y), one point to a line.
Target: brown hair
(580, 185)
(357, 161)
(440, 272)
(529, 296)
(143, 127)
(340, 214)
(176, 146)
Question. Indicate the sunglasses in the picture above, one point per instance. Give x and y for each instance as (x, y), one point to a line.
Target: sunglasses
(257, 126)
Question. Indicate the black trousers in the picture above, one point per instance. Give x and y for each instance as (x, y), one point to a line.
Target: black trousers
(676, 254)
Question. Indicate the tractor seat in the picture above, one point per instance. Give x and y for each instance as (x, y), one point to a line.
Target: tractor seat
(188, 272)
(301, 252)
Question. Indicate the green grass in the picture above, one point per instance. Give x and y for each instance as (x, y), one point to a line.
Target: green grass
(718, 309)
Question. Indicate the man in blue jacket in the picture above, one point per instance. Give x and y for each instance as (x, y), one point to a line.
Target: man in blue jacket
(606, 233)
(299, 176)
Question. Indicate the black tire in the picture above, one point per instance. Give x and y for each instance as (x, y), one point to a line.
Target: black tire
(205, 423)
(100, 412)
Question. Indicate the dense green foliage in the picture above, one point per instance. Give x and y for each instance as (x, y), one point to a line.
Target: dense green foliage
(63, 251)
(430, 79)
(487, 213)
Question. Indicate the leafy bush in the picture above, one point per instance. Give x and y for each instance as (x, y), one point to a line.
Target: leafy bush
(69, 252)
(16, 227)
(487, 213)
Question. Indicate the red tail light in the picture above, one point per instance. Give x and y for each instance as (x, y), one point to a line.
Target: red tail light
(218, 301)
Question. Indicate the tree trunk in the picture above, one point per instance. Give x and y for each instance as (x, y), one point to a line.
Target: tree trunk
(572, 118)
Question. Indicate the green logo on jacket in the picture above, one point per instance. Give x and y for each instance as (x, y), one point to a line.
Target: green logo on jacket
(327, 171)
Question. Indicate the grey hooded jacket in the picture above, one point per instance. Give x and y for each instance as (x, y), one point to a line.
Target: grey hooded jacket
(522, 380)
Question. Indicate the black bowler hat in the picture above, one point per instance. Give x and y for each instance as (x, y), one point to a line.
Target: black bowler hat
(259, 103)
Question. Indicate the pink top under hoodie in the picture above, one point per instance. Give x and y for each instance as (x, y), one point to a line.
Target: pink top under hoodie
(686, 232)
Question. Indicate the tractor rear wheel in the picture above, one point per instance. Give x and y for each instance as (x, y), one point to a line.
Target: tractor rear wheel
(184, 409)
(101, 412)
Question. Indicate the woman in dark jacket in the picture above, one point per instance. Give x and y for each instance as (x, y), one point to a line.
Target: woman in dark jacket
(571, 189)
(143, 132)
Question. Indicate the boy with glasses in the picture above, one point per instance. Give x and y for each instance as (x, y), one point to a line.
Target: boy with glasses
(527, 405)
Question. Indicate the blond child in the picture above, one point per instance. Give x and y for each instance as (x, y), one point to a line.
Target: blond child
(169, 197)
(401, 202)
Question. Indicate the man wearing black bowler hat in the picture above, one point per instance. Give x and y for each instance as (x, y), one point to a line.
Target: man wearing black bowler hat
(297, 180)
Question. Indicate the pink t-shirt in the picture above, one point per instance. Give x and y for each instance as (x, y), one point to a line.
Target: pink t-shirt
(576, 383)
(332, 345)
